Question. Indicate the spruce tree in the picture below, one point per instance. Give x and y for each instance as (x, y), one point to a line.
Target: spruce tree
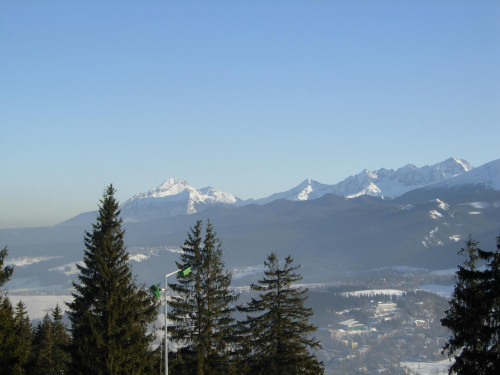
(15, 328)
(50, 346)
(24, 336)
(7, 333)
(43, 346)
(62, 340)
(109, 313)
(202, 307)
(473, 317)
(8, 342)
(5, 272)
(278, 332)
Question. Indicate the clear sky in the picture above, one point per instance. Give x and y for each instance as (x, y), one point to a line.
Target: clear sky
(250, 97)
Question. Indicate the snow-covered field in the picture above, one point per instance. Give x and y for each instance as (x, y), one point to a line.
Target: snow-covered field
(443, 290)
(374, 292)
(239, 273)
(428, 368)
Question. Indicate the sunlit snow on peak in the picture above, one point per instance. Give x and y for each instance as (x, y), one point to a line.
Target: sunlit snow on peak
(172, 186)
(435, 214)
(467, 166)
(304, 194)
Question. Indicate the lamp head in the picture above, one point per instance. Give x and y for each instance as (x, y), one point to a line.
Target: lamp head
(186, 270)
(155, 291)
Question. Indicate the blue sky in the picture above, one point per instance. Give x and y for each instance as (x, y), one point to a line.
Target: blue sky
(250, 97)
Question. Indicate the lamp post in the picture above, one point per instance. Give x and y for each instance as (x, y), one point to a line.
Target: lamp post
(186, 270)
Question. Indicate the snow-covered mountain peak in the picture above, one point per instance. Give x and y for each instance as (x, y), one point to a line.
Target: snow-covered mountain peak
(208, 190)
(304, 184)
(379, 183)
(452, 167)
(218, 196)
(172, 186)
(388, 182)
(172, 181)
(370, 174)
(370, 189)
(408, 167)
(487, 175)
(466, 165)
(306, 190)
(173, 197)
(176, 197)
(302, 191)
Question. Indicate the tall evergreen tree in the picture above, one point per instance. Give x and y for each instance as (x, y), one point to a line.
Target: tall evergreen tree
(474, 314)
(109, 313)
(277, 324)
(202, 307)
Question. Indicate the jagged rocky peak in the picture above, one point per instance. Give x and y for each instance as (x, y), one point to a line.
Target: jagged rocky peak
(304, 184)
(454, 166)
(388, 182)
(382, 182)
(368, 174)
(215, 195)
(407, 167)
(487, 175)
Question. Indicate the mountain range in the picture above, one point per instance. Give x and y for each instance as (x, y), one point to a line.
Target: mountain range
(414, 217)
(176, 197)
(379, 183)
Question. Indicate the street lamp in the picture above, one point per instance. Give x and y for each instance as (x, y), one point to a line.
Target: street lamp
(186, 270)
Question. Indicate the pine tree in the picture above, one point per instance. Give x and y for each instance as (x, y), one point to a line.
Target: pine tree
(24, 337)
(5, 272)
(15, 328)
(8, 341)
(62, 359)
(202, 307)
(43, 346)
(7, 333)
(473, 317)
(279, 338)
(109, 313)
(51, 345)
